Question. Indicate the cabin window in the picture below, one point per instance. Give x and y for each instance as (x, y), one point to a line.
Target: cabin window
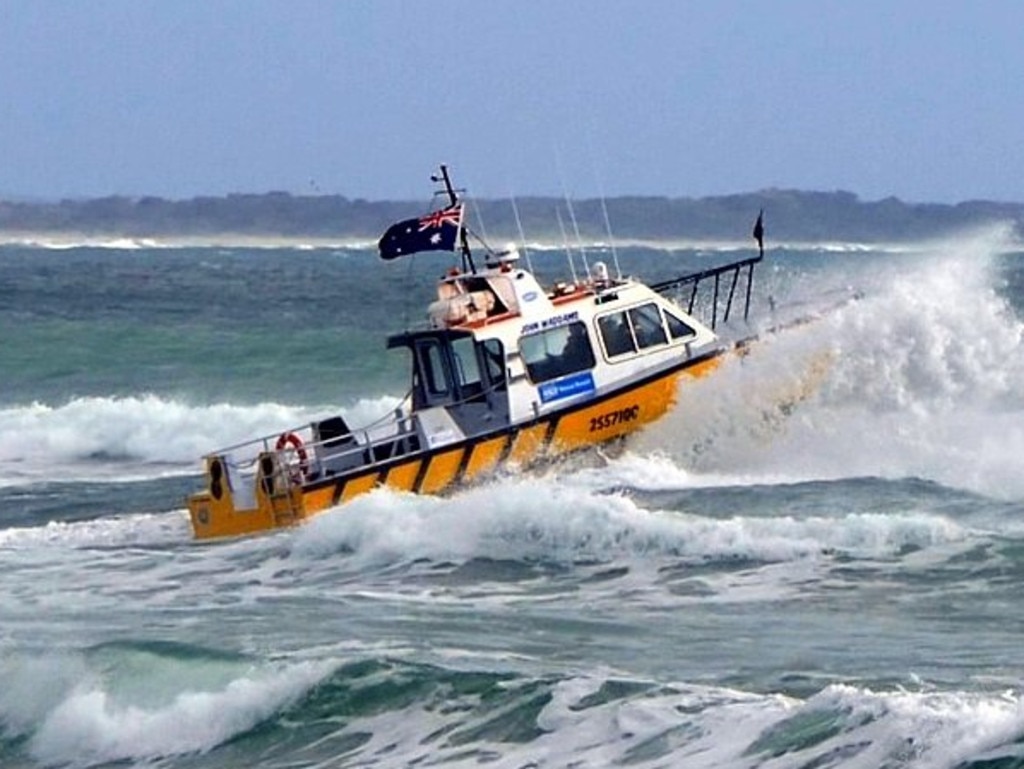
(494, 362)
(467, 372)
(678, 328)
(647, 328)
(626, 332)
(615, 334)
(556, 352)
(432, 360)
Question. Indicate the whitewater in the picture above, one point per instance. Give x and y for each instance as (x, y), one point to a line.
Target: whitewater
(816, 560)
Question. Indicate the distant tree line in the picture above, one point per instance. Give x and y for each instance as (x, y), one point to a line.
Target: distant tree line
(790, 216)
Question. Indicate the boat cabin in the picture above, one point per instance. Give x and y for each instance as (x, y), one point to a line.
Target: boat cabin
(454, 372)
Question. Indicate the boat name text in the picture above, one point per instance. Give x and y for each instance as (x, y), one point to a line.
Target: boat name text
(552, 322)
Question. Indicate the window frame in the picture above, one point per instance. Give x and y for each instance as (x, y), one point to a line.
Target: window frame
(558, 370)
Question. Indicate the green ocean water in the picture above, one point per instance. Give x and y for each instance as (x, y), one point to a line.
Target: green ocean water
(815, 561)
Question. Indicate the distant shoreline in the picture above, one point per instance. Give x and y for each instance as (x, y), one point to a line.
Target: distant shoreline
(63, 241)
(279, 219)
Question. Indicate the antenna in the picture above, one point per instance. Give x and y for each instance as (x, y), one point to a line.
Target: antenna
(572, 217)
(522, 235)
(604, 207)
(611, 238)
(565, 240)
(479, 219)
(576, 231)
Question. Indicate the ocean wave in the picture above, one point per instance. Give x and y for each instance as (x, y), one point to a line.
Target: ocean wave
(559, 516)
(143, 702)
(112, 531)
(877, 728)
(551, 520)
(139, 702)
(141, 437)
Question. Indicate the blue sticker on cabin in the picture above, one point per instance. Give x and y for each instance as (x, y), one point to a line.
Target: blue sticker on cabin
(577, 384)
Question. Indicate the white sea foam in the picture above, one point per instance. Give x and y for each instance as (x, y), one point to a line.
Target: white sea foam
(655, 470)
(687, 725)
(920, 728)
(681, 726)
(141, 437)
(552, 519)
(923, 376)
(147, 529)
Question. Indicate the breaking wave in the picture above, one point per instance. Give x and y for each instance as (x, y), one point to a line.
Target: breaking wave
(147, 436)
(921, 376)
(143, 702)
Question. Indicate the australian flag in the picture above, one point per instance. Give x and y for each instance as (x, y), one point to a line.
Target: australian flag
(436, 231)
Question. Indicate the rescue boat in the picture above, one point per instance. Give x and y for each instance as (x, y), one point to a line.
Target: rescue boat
(505, 373)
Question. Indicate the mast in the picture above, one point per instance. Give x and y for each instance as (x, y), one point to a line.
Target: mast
(453, 200)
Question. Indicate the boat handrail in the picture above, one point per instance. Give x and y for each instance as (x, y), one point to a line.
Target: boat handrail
(695, 278)
(323, 452)
(369, 442)
(362, 439)
(265, 440)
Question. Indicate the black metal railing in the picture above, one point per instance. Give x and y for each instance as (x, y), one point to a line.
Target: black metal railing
(694, 280)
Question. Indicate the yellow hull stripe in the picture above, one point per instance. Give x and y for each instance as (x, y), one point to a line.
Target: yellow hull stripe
(441, 471)
(528, 444)
(316, 500)
(360, 485)
(485, 457)
(403, 477)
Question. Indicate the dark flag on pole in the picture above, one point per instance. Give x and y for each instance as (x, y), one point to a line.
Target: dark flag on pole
(437, 231)
(759, 232)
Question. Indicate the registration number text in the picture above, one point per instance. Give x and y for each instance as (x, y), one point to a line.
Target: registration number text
(612, 418)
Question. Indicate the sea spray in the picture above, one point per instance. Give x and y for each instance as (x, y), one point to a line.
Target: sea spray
(916, 377)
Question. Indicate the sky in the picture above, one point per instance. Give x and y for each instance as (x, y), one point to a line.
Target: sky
(915, 99)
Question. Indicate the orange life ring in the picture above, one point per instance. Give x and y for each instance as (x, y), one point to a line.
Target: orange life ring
(295, 442)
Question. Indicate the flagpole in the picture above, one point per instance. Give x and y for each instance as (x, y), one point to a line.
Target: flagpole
(453, 199)
(759, 234)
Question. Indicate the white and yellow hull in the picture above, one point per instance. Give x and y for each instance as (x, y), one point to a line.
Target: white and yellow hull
(282, 500)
